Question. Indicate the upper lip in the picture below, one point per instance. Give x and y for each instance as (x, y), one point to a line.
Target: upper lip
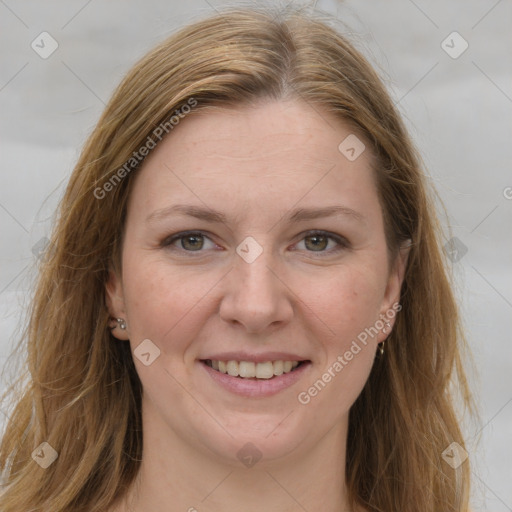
(256, 358)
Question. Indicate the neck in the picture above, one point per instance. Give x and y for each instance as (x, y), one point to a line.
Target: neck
(177, 475)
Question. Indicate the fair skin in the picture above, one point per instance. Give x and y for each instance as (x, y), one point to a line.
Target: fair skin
(308, 297)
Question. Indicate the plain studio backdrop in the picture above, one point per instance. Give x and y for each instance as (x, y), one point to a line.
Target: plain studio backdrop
(447, 65)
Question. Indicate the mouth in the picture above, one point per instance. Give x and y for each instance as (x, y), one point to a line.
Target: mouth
(251, 379)
(250, 370)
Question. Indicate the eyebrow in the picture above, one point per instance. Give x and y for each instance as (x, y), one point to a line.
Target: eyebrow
(297, 215)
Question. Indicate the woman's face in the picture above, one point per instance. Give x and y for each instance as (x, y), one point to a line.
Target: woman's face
(282, 257)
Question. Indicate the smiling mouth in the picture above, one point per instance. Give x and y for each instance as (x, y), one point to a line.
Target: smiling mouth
(253, 371)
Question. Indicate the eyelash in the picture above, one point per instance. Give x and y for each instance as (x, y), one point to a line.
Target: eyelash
(341, 241)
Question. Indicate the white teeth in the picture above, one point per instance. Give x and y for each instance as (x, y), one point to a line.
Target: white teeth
(278, 367)
(249, 369)
(232, 368)
(265, 370)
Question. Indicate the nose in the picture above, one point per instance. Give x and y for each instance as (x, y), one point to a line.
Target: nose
(256, 296)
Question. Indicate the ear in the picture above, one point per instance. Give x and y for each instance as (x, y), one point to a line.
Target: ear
(391, 297)
(114, 298)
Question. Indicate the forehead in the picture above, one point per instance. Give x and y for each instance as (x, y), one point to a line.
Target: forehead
(276, 152)
(262, 131)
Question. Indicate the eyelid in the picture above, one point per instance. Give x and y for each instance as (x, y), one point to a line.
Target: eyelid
(342, 242)
(167, 241)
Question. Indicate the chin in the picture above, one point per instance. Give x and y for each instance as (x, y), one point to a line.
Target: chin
(261, 438)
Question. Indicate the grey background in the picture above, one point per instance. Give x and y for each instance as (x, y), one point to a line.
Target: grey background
(458, 111)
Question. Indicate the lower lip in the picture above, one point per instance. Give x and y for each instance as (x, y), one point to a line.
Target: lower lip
(257, 388)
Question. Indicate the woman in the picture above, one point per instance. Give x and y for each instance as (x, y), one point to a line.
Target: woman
(245, 303)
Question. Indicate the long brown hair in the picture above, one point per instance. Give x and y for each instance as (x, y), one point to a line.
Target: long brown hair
(83, 396)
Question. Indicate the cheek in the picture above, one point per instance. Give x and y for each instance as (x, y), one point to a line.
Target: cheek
(162, 302)
(349, 306)
(351, 302)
